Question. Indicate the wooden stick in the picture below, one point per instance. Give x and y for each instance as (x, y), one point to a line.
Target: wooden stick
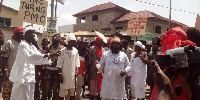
(134, 42)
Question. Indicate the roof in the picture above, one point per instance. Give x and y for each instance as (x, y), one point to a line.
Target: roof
(101, 7)
(144, 13)
(10, 8)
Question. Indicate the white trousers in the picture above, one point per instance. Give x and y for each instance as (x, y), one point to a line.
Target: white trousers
(23, 91)
(79, 84)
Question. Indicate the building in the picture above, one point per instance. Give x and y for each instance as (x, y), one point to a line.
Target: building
(110, 18)
(67, 28)
(9, 20)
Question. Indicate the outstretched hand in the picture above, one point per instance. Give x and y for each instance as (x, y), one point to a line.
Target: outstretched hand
(55, 54)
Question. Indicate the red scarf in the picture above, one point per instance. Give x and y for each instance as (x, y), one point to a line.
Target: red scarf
(99, 50)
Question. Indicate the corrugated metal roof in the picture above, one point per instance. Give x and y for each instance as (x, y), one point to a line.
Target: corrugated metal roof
(101, 7)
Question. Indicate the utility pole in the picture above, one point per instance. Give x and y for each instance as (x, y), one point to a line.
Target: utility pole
(170, 20)
(1, 5)
(52, 8)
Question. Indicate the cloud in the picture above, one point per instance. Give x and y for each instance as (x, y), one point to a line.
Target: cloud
(12, 4)
(133, 8)
(66, 19)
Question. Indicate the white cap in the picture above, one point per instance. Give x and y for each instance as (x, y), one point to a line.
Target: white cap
(70, 37)
(27, 28)
(138, 43)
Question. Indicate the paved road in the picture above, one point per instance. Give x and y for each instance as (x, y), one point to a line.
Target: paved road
(87, 98)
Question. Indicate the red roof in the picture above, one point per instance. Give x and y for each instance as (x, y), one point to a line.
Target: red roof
(144, 13)
(101, 7)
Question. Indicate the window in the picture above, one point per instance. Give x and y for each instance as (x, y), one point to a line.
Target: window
(5, 21)
(95, 18)
(158, 29)
(118, 29)
(82, 19)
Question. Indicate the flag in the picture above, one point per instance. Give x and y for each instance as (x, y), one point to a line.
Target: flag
(61, 1)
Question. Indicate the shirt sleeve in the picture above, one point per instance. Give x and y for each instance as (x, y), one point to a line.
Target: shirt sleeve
(7, 46)
(77, 60)
(102, 61)
(127, 64)
(60, 60)
(32, 56)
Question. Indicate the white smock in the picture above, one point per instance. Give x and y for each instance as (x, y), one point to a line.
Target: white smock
(68, 61)
(23, 71)
(138, 74)
(113, 86)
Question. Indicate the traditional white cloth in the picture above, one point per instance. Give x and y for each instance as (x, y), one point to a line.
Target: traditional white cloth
(138, 43)
(23, 70)
(113, 86)
(138, 74)
(68, 61)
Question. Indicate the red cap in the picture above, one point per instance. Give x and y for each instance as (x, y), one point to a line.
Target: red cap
(18, 29)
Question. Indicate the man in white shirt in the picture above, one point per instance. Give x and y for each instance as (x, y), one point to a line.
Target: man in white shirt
(116, 65)
(23, 71)
(67, 63)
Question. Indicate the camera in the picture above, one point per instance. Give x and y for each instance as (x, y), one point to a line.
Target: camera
(178, 57)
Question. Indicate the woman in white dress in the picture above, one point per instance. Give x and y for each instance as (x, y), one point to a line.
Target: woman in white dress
(138, 71)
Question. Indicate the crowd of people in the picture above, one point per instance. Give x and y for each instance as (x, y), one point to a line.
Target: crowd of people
(112, 70)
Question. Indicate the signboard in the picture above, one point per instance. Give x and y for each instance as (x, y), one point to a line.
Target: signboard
(137, 26)
(33, 11)
(197, 24)
(146, 37)
(51, 24)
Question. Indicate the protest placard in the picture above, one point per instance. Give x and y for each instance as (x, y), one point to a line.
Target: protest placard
(51, 24)
(33, 11)
(197, 24)
(137, 26)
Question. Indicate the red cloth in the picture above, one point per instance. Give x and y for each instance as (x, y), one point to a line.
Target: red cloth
(18, 29)
(99, 50)
(82, 64)
(174, 38)
(1, 34)
(99, 54)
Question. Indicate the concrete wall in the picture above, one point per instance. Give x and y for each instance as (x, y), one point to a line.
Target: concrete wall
(67, 28)
(104, 19)
(7, 33)
(12, 14)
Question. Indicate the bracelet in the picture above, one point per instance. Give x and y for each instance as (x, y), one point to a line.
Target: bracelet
(60, 73)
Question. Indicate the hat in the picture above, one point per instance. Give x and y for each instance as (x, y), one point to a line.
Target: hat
(138, 43)
(70, 37)
(18, 29)
(27, 29)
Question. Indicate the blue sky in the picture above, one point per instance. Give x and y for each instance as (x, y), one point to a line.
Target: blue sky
(71, 7)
